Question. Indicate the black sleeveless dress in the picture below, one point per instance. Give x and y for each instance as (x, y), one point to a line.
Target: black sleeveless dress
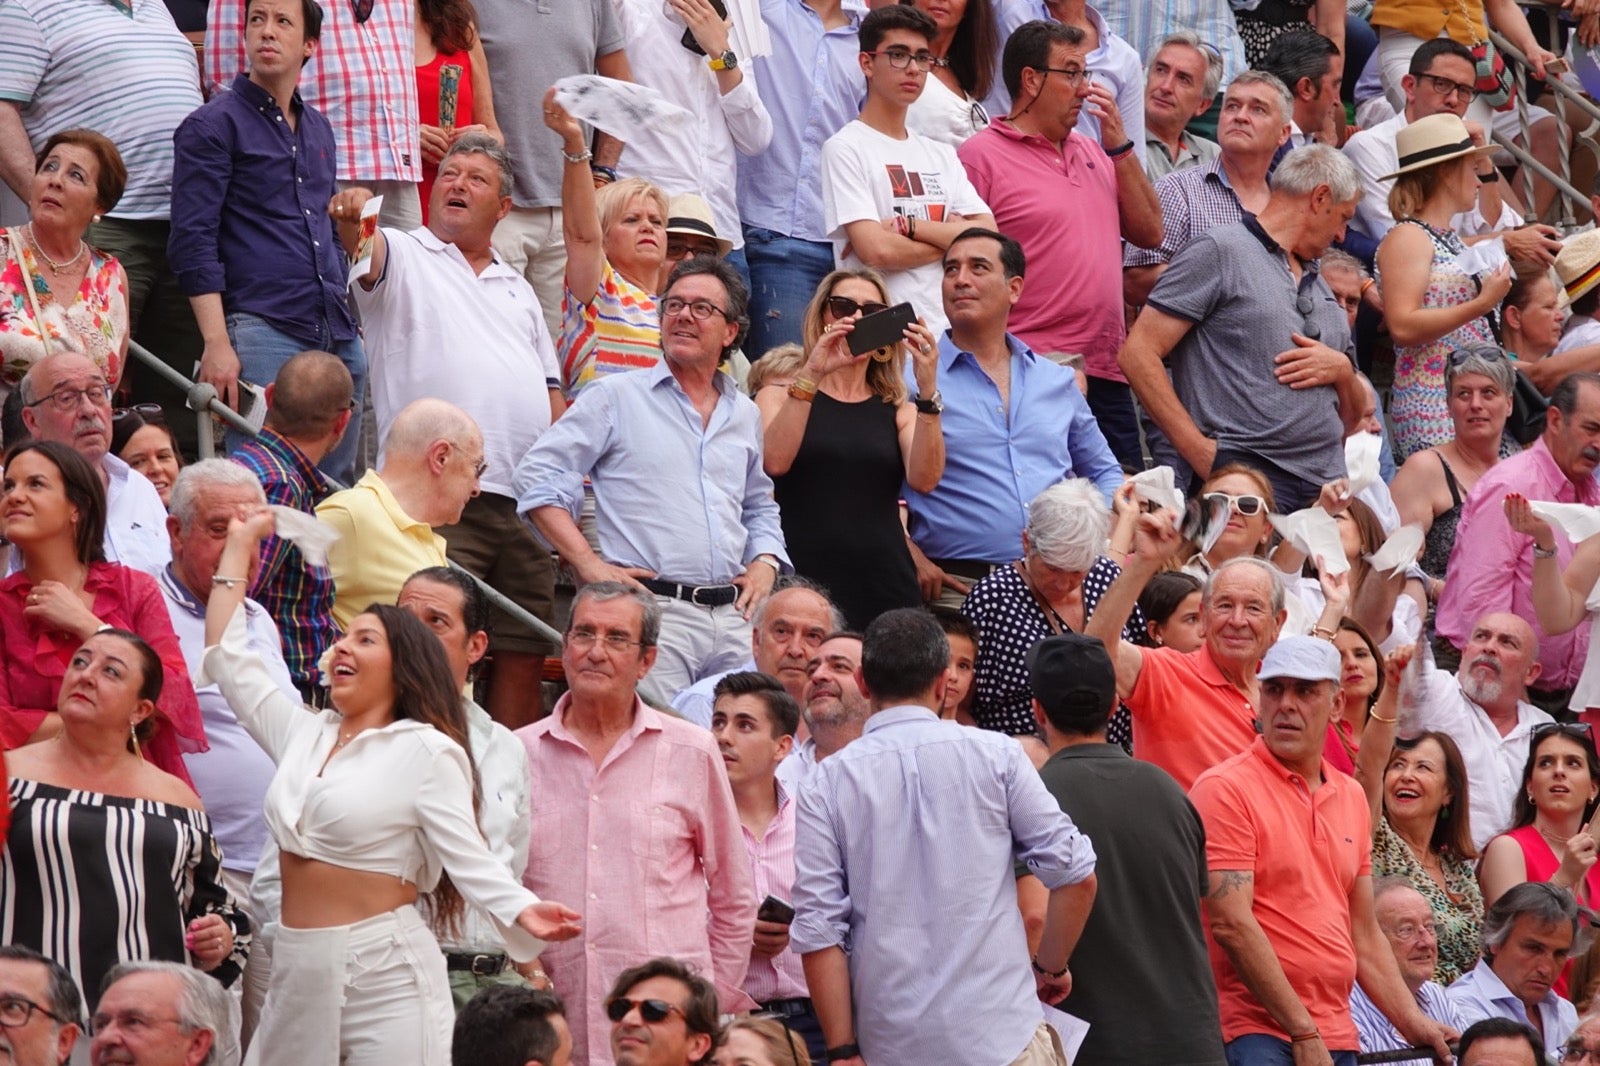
(840, 503)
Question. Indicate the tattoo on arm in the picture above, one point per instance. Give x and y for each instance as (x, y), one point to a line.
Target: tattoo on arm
(1226, 881)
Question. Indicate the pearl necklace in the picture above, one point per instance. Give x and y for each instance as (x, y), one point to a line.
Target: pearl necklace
(33, 242)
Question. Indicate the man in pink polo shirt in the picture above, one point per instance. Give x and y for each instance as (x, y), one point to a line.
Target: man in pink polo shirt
(1071, 202)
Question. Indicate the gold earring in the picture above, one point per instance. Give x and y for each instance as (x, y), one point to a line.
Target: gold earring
(133, 735)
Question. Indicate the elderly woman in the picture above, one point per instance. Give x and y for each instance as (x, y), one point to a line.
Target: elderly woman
(965, 45)
(108, 857)
(1433, 307)
(616, 242)
(1052, 589)
(141, 438)
(56, 292)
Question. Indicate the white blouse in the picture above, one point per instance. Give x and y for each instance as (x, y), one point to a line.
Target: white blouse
(395, 800)
(945, 116)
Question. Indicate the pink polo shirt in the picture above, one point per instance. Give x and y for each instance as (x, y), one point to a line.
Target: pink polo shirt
(1061, 204)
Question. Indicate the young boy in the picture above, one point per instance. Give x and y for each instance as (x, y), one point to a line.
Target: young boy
(963, 637)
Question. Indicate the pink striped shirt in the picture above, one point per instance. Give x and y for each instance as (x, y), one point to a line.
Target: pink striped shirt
(772, 861)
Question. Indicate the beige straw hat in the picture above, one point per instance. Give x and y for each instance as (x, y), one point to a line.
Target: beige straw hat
(1433, 140)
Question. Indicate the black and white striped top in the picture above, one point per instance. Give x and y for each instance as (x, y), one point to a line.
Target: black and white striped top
(92, 880)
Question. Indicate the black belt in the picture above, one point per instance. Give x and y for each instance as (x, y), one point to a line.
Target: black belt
(477, 965)
(699, 595)
(970, 569)
(786, 1008)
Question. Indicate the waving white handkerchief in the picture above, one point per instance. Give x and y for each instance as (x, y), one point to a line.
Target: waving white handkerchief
(307, 532)
(1399, 551)
(1578, 521)
(1361, 460)
(1157, 485)
(1314, 532)
(617, 107)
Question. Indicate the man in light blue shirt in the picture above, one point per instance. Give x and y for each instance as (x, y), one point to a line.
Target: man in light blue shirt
(1014, 422)
(916, 825)
(683, 508)
(1527, 936)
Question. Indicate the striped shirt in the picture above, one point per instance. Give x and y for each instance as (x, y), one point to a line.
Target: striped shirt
(772, 861)
(361, 78)
(617, 331)
(1143, 23)
(70, 63)
(1193, 200)
(1378, 1032)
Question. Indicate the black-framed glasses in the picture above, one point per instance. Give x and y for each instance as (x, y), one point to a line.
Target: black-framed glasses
(1582, 732)
(978, 116)
(901, 58)
(1490, 352)
(699, 310)
(1249, 505)
(651, 1010)
(1304, 304)
(1577, 1051)
(15, 1012)
(584, 638)
(1447, 87)
(361, 9)
(1075, 75)
(150, 412)
(844, 307)
(67, 399)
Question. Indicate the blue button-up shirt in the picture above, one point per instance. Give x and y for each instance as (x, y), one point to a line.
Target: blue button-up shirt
(914, 827)
(1479, 993)
(688, 501)
(998, 460)
(812, 85)
(250, 213)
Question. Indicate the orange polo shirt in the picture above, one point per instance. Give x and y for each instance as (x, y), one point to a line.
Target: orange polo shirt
(1187, 717)
(1306, 850)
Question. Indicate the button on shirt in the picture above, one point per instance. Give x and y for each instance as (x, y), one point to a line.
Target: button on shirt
(812, 85)
(688, 501)
(250, 213)
(779, 976)
(912, 827)
(998, 460)
(1480, 994)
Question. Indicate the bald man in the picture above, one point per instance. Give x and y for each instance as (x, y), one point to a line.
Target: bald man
(432, 459)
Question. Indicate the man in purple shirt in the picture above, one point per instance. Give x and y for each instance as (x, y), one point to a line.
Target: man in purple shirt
(252, 244)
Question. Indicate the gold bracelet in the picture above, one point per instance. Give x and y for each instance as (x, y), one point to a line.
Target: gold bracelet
(1376, 717)
(1323, 634)
(803, 390)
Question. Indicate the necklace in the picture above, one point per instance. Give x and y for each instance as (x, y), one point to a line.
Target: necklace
(33, 242)
(342, 741)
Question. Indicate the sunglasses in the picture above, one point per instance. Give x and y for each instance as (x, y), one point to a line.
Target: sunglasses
(844, 307)
(1248, 505)
(1489, 352)
(651, 1010)
(150, 412)
(1308, 325)
(1579, 731)
(361, 9)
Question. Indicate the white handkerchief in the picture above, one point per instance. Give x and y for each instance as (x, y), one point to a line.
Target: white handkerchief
(307, 532)
(1361, 460)
(1398, 552)
(1315, 533)
(1158, 486)
(1576, 520)
(617, 107)
(1485, 257)
(1069, 1027)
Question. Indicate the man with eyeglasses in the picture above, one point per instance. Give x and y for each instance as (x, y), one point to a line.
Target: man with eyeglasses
(1406, 919)
(683, 507)
(663, 1014)
(40, 1009)
(160, 1014)
(66, 398)
(893, 199)
(1583, 1046)
(633, 816)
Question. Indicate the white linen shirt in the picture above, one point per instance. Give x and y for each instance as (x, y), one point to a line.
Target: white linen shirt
(1374, 153)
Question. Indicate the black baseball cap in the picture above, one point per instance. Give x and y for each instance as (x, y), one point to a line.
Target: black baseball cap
(1071, 676)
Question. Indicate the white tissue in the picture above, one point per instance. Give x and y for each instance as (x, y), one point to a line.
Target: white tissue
(1577, 521)
(1158, 485)
(307, 532)
(1485, 257)
(1314, 532)
(1361, 460)
(618, 107)
(1398, 552)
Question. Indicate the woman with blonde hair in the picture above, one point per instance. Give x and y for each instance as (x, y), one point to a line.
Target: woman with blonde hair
(760, 1042)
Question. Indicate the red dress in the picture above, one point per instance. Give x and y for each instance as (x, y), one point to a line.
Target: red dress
(428, 108)
(33, 660)
(1542, 865)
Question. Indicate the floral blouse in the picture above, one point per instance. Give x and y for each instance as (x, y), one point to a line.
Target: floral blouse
(1457, 908)
(95, 323)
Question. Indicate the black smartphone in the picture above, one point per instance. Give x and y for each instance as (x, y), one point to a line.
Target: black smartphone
(881, 329)
(688, 40)
(774, 909)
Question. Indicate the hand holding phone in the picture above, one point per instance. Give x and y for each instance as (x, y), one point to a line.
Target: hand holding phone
(881, 329)
(776, 910)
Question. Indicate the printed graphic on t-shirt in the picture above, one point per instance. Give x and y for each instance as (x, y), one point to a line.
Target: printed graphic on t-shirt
(917, 194)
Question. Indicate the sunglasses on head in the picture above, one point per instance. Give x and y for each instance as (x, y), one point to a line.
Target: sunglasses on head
(1482, 351)
(651, 1010)
(1248, 505)
(150, 412)
(844, 307)
(1580, 731)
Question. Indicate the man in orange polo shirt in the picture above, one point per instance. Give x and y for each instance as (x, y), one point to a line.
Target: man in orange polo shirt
(1289, 849)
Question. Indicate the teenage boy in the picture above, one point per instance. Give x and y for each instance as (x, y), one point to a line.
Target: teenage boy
(893, 199)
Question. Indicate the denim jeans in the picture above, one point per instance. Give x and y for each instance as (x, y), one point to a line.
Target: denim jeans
(263, 349)
(784, 275)
(1259, 1049)
(1112, 404)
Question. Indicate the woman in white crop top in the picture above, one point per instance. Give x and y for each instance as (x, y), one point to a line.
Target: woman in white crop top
(373, 802)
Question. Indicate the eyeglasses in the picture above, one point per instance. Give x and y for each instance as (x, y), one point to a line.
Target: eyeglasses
(1409, 931)
(68, 399)
(1577, 1051)
(651, 1010)
(978, 116)
(15, 1011)
(844, 307)
(680, 248)
(1248, 505)
(361, 9)
(1075, 75)
(583, 639)
(1489, 352)
(1304, 304)
(699, 310)
(1446, 87)
(900, 58)
(150, 412)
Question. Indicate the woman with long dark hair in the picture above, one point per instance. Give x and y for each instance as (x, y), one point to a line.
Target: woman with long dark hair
(965, 48)
(447, 37)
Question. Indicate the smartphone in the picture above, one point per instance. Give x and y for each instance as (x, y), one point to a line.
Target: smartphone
(688, 40)
(774, 909)
(881, 329)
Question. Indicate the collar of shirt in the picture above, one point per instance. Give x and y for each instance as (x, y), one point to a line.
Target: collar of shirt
(1100, 750)
(1308, 267)
(890, 717)
(249, 92)
(117, 473)
(645, 719)
(497, 267)
(661, 374)
(375, 485)
(950, 353)
(1001, 124)
(290, 456)
(1216, 172)
(179, 592)
(1259, 749)
(1546, 470)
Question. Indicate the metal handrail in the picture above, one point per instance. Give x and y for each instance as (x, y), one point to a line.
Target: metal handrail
(202, 399)
(1572, 197)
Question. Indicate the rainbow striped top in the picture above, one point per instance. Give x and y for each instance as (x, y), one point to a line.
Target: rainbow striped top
(619, 330)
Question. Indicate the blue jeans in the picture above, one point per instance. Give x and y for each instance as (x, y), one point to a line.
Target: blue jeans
(784, 275)
(263, 349)
(1259, 1049)
(1112, 404)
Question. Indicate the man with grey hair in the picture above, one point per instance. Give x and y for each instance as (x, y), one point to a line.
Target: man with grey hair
(444, 285)
(633, 815)
(41, 1010)
(232, 776)
(1406, 919)
(1261, 353)
(160, 1014)
(1181, 81)
(1528, 935)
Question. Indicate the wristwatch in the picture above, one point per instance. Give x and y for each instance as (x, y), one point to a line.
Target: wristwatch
(842, 1052)
(726, 61)
(931, 406)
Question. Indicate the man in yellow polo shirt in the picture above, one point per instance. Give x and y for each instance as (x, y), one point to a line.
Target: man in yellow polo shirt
(432, 459)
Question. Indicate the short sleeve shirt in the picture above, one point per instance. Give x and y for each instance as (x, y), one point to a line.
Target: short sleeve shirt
(1187, 717)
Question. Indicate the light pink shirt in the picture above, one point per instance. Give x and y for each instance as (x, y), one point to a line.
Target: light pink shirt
(1491, 566)
(648, 847)
(772, 859)
(1061, 204)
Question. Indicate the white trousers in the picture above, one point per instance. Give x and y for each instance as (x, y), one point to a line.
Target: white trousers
(370, 994)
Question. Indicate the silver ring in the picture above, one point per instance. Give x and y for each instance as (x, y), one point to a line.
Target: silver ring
(926, 349)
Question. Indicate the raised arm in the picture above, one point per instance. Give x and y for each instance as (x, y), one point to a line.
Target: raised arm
(1154, 540)
(1377, 739)
(1560, 600)
(580, 218)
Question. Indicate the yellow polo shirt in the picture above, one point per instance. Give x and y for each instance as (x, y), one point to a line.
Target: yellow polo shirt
(379, 546)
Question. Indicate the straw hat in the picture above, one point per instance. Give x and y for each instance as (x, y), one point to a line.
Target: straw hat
(689, 214)
(1578, 263)
(1433, 140)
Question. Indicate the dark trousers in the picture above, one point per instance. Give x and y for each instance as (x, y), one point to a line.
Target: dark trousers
(1290, 492)
(1112, 404)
